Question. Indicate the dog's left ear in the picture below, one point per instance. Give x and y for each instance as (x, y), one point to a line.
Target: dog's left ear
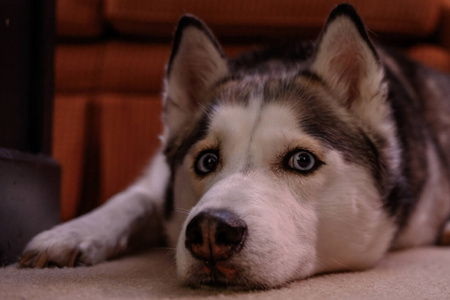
(346, 59)
(197, 62)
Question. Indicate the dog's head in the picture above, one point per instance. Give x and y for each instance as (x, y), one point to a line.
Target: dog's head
(284, 163)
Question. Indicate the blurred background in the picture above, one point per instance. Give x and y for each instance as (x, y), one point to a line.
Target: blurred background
(102, 68)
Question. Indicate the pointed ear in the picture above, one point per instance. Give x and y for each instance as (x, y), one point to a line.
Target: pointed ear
(346, 59)
(196, 63)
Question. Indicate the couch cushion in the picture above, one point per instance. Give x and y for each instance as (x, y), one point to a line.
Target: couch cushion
(79, 18)
(129, 127)
(268, 17)
(69, 137)
(114, 67)
(432, 56)
(134, 67)
(103, 142)
(445, 26)
(78, 67)
(110, 67)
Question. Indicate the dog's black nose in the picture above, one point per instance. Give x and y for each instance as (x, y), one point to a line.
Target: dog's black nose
(215, 235)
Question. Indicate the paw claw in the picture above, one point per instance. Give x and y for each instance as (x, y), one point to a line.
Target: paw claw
(444, 238)
(42, 260)
(67, 245)
(75, 258)
(27, 259)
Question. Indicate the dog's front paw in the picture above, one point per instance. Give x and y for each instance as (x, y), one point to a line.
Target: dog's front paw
(66, 246)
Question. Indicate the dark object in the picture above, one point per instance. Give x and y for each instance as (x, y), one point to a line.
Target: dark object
(26, 74)
(29, 177)
(29, 200)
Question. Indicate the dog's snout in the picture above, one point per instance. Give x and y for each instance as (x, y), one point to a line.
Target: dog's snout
(215, 235)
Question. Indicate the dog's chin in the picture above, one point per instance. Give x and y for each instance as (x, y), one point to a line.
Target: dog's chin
(221, 275)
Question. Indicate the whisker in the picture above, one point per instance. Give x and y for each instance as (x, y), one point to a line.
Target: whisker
(165, 248)
(182, 210)
(343, 265)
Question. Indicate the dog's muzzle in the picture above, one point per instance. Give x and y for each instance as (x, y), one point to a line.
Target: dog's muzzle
(213, 236)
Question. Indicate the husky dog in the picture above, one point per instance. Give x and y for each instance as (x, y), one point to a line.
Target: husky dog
(280, 164)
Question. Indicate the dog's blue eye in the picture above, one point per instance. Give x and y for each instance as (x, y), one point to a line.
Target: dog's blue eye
(206, 162)
(302, 161)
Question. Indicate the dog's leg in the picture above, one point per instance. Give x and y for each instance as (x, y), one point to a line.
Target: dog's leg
(106, 231)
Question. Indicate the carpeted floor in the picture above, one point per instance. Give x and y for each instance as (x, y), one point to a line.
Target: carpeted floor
(422, 273)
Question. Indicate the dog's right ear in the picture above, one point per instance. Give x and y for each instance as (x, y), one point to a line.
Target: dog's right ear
(346, 59)
(197, 62)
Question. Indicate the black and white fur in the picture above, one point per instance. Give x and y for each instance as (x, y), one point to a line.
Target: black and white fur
(374, 126)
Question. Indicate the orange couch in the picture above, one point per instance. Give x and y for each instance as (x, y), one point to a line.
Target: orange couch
(110, 60)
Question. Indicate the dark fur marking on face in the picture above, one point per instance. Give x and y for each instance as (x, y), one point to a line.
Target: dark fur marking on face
(179, 144)
(169, 197)
(175, 151)
(351, 142)
(318, 119)
(278, 58)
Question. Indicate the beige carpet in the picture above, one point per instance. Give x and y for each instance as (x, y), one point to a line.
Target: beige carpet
(422, 273)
